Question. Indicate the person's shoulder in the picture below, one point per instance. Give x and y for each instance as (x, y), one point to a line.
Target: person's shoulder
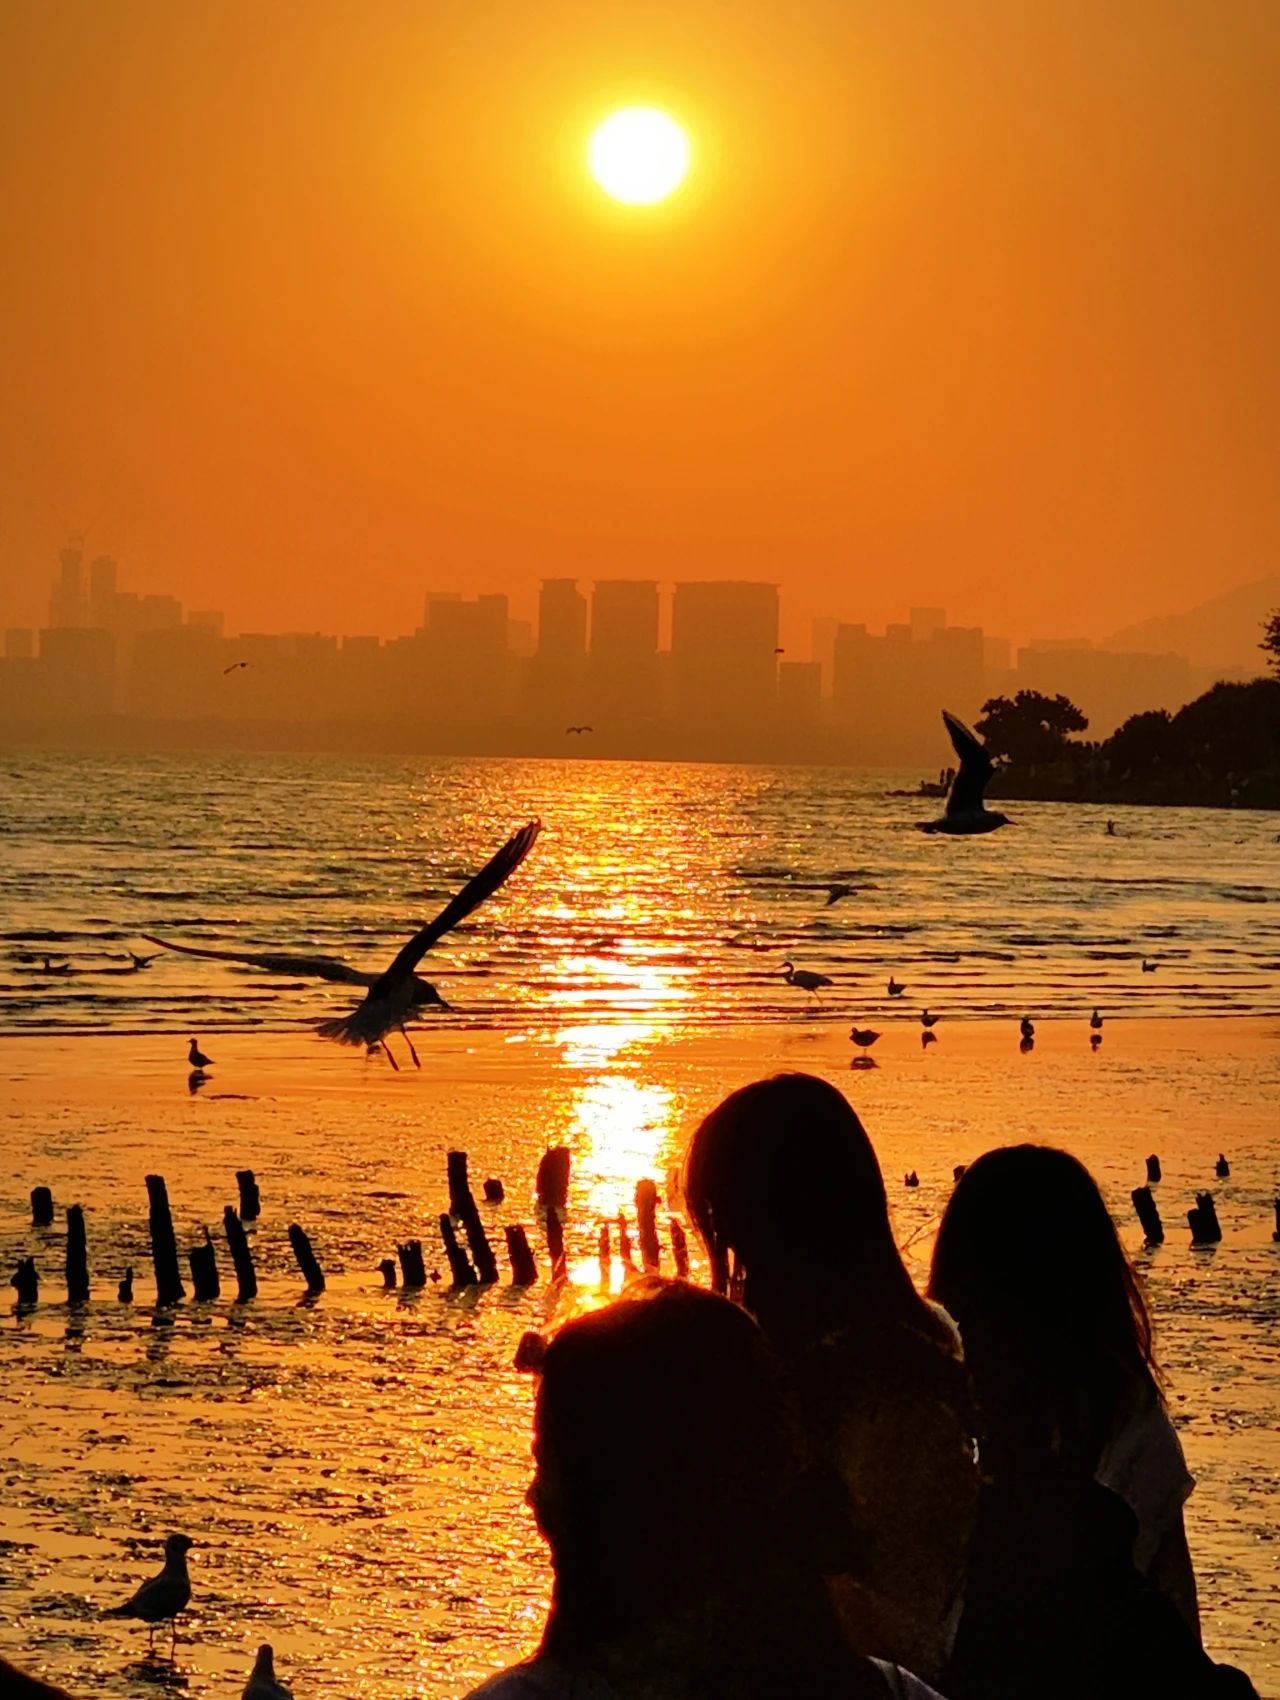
(543, 1679)
(902, 1685)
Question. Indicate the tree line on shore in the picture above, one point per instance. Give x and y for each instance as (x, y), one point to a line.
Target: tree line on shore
(1221, 750)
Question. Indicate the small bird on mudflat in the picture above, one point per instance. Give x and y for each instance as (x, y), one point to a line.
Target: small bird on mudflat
(1027, 1027)
(1149, 967)
(162, 1598)
(895, 988)
(1095, 1021)
(262, 1684)
(863, 1037)
(966, 813)
(197, 1058)
(927, 1020)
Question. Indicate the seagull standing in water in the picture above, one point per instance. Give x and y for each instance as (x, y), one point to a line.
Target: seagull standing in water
(895, 988)
(863, 1037)
(197, 1058)
(805, 978)
(162, 1598)
(396, 995)
(966, 812)
(262, 1684)
(1095, 1021)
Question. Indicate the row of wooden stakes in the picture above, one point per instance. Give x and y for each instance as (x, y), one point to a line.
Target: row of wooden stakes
(472, 1265)
(1202, 1217)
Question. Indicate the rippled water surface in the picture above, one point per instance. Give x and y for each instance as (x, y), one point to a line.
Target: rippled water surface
(656, 889)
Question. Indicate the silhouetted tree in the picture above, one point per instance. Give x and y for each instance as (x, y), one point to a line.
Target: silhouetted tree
(1233, 729)
(1145, 742)
(1030, 727)
(1271, 640)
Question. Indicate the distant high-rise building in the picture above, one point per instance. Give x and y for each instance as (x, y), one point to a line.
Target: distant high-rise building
(468, 669)
(624, 649)
(724, 642)
(562, 620)
(925, 622)
(102, 593)
(206, 620)
(67, 603)
(799, 693)
(822, 648)
(19, 644)
(890, 690)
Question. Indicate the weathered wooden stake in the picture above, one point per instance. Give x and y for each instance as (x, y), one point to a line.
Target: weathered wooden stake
(461, 1273)
(1222, 1168)
(1148, 1214)
(412, 1269)
(1204, 1221)
(606, 1257)
(624, 1247)
(311, 1270)
(552, 1185)
(77, 1257)
(204, 1270)
(1153, 1170)
(250, 1198)
(524, 1270)
(26, 1282)
(387, 1270)
(462, 1204)
(124, 1292)
(958, 1171)
(41, 1207)
(241, 1256)
(555, 1243)
(911, 1178)
(494, 1191)
(164, 1244)
(647, 1225)
(679, 1248)
(1276, 1235)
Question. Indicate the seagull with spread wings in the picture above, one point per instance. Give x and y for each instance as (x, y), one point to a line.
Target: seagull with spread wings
(966, 813)
(398, 993)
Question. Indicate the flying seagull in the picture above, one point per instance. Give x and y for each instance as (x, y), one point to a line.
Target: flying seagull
(965, 813)
(164, 1596)
(835, 893)
(234, 667)
(805, 978)
(262, 1684)
(569, 729)
(394, 996)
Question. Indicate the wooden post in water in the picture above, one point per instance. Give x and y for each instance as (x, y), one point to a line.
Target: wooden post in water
(494, 1191)
(462, 1204)
(524, 1270)
(555, 1244)
(387, 1270)
(204, 1271)
(41, 1207)
(552, 1185)
(461, 1273)
(241, 1256)
(124, 1292)
(679, 1248)
(1145, 1205)
(250, 1198)
(412, 1269)
(647, 1225)
(624, 1247)
(1204, 1221)
(311, 1270)
(77, 1257)
(164, 1245)
(606, 1257)
(25, 1282)
(1276, 1235)
(1154, 1176)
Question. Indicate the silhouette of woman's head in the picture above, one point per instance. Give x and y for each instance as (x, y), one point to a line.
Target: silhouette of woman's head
(1055, 1328)
(665, 1462)
(787, 1194)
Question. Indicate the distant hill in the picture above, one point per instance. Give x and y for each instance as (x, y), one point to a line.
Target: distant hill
(1223, 632)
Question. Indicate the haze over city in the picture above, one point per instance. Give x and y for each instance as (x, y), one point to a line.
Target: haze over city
(971, 310)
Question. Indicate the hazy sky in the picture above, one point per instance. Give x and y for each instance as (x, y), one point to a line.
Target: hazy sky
(308, 306)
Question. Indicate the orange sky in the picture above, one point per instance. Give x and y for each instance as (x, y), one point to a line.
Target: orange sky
(307, 307)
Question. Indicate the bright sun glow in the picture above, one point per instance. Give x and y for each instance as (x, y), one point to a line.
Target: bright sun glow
(638, 155)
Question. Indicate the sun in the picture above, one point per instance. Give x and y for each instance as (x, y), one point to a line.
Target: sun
(638, 155)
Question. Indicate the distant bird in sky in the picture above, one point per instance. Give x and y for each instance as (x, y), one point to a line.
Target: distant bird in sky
(262, 1684)
(966, 812)
(895, 988)
(234, 667)
(397, 994)
(863, 1037)
(927, 1038)
(569, 730)
(835, 893)
(197, 1058)
(779, 652)
(1149, 967)
(1095, 1021)
(805, 978)
(1027, 1027)
(162, 1598)
(927, 1020)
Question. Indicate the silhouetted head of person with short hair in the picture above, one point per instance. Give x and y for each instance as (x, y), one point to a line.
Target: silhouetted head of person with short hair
(1056, 1332)
(787, 1194)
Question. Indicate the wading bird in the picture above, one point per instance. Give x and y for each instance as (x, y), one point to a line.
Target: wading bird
(863, 1037)
(966, 813)
(162, 1598)
(805, 978)
(262, 1684)
(927, 1020)
(197, 1058)
(1149, 967)
(895, 988)
(1095, 1021)
(1027, 1027)
(396, 995)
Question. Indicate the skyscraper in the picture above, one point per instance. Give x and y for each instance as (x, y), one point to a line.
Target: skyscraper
(555, 676)
(67, 604)
(724, 641)
(624, 649)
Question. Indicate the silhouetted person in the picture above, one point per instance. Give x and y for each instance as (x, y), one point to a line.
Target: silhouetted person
(17, 1685)
(668, 1490)
(788, 1197)
(1080, 1581)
